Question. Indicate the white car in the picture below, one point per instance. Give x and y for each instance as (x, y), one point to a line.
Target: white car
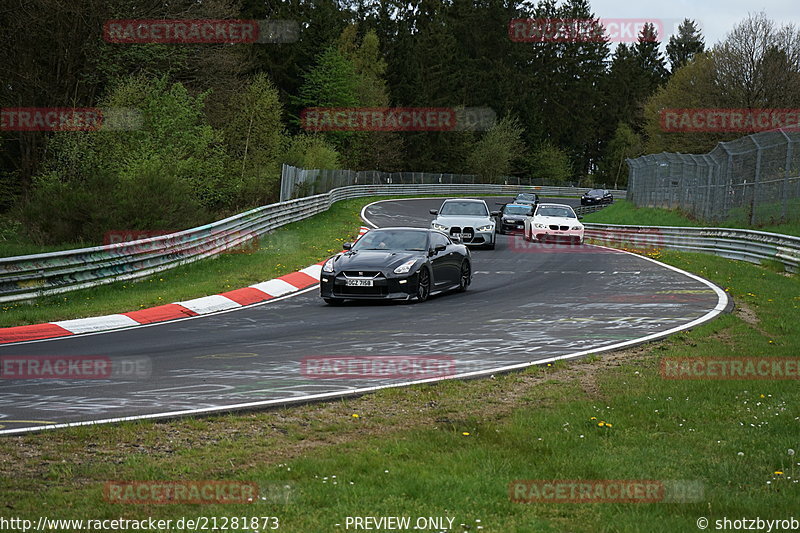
(553, 221)
(468, 220)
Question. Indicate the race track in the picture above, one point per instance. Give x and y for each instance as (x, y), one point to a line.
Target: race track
(528, 302)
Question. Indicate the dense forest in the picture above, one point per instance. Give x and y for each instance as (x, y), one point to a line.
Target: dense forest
(218, 120)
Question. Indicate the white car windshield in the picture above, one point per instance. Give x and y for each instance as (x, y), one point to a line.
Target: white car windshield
(470, 209)
(552, 211)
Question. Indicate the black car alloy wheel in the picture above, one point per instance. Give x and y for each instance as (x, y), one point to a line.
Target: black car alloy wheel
(423, 285)
(465, 273)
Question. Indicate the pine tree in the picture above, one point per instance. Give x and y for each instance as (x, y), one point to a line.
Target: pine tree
(684, 46)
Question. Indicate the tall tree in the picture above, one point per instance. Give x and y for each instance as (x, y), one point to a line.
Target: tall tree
(685, 45)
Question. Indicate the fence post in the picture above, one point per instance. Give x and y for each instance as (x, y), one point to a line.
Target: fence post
(787, 171)
(757, 179)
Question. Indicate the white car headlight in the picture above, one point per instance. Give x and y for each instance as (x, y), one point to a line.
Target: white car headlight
(487, 227)
(328, 266)
(405, 267)
(436, 225)
(539, 225)
(508, 221)
(577, 227)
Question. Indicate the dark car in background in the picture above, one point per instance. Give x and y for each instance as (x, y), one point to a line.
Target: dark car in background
(512, 218)
(396, 263)
(527, 198)
(597, 197)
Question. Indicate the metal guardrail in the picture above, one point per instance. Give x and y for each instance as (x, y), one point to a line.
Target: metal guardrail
(739, 244)
(31, 276)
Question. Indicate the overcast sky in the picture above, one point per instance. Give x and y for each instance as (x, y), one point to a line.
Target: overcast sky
(716, 17)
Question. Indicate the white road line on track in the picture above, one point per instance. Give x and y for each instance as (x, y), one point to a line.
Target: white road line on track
(722, 304)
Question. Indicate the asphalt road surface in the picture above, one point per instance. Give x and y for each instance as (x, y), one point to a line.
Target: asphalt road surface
(528, 302)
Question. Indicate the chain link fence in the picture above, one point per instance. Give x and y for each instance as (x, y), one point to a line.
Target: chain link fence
(300, 182)
(754, 180)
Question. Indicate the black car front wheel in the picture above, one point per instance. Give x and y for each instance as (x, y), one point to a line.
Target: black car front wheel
(423, 285)
(465, 277)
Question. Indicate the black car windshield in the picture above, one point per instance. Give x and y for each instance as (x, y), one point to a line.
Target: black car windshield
(526, 197)
(392, 240)
(596, 192)
(474, 209)
(516, 210)
(562, 212)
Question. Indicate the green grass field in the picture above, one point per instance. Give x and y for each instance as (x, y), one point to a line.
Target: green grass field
(624, 212)
(451, 449)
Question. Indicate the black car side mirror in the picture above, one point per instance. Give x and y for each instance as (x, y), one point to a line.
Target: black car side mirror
(347, 245)
(440, 247)
(434, 211)
(495, 213)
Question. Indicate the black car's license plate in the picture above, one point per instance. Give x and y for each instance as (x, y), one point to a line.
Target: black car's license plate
(359, 283)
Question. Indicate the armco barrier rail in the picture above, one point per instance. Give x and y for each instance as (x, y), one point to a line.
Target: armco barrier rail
(30, 276)
(740, 244)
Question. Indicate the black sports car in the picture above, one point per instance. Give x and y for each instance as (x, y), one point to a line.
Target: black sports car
(512, 218)
(396, 263)
(597, 196)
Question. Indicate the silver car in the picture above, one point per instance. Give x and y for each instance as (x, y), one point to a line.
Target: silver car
(468, 220)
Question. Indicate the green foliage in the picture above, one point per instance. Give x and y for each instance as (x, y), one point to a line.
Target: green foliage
(311, 151)
(684, 46)
(165, 174)
(256, 139)
(495, 154)
(691, 86)
(625, 144)
(551, 164)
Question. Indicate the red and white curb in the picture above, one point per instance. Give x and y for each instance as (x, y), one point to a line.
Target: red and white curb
(260, 292)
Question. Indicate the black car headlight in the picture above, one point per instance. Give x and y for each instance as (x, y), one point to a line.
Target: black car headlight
(405, 267)
(328, 266)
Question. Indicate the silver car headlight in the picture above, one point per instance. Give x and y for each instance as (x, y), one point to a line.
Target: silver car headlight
(487, 227)
(328, 266)
(405, 267)
(508, 221)
(538, 225)
(577, 227)
(440, 227)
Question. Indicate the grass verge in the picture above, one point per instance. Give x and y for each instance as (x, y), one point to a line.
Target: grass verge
(451, 449)
(624, 212)
(284, 250)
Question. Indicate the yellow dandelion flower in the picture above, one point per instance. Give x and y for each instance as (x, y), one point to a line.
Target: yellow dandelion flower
(778, 473)
(593, 418)
(466, 433)
(355, 415)
(608, 425)
(601, 424)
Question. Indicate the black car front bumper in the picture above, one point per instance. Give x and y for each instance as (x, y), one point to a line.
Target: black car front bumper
(384, 286)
